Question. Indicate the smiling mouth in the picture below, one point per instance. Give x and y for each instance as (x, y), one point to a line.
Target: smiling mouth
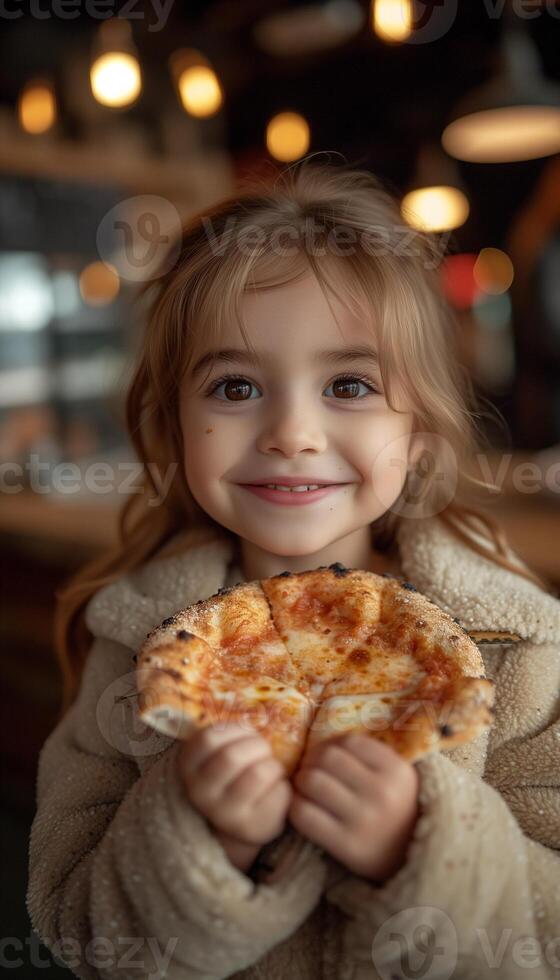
(283, 488)
(304, 488)
(291, 495)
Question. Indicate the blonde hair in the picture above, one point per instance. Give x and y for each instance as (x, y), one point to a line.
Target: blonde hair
(390, 277)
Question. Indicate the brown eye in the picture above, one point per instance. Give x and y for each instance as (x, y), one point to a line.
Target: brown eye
(348, 387)
(237, 391)
(234, 389)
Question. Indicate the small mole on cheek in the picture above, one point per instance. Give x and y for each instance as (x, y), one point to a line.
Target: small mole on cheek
(208, 430)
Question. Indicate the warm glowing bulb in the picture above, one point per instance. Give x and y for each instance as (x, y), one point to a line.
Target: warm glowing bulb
(116, 79)
(37, 108)
(99, 284)
(504, 135)
(287, 136)
(493, 271)
(435, 208)
(200, 91)
(392, 19)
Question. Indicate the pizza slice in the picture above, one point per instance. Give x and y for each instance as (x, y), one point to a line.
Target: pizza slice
(379, 658)
(222, 660)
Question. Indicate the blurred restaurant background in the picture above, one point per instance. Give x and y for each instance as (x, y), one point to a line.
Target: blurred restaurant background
(114, 128)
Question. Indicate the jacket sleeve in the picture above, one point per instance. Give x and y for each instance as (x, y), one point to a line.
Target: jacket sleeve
(480, 888)
(125, 877)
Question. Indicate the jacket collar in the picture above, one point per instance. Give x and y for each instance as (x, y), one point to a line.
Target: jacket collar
(482, 595)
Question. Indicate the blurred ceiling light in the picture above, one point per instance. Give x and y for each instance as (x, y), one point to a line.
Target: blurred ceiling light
(115, 75)
(391, 20)
(99, 284)
(26, 298)
(37, 106)
(287, 136)
(493, 271)
(115, 79)
(514, 116)
(200, 90)
(310, 28)
(437, 208)
(198, 85)
(504, 135)
(435, 201)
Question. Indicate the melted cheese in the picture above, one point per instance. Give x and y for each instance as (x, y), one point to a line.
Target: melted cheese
(306, 658)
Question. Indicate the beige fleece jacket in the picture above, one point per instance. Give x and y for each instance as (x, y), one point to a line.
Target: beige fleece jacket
(127, 880)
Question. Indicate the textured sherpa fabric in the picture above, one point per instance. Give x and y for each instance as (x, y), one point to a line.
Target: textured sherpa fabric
(127, 880)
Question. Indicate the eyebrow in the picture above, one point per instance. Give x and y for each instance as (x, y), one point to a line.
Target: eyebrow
(239, 356)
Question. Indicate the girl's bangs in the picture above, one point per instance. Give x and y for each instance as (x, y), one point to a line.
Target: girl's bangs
(220, 297)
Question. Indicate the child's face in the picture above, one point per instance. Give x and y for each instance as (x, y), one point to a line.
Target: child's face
(295, 415)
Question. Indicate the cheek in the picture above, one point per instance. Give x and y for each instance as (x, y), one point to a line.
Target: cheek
(201, 442)
(213, 446)
(385, 459)
(207, 451)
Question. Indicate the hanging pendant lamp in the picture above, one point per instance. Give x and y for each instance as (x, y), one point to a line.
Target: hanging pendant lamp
(516, 115)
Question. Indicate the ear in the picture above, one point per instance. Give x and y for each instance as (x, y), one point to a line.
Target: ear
(416, 447)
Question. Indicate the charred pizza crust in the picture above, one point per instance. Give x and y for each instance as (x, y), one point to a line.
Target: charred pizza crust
(308, 656)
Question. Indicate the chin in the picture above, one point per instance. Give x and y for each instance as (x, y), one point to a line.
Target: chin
(292, 549)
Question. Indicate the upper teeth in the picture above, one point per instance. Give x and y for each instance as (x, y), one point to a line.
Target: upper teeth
(276, 486)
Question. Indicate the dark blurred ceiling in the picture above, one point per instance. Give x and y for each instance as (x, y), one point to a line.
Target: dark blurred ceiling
(369, 101)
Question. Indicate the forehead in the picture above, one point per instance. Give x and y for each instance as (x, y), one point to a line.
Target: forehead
(287, 321)
(298, 315)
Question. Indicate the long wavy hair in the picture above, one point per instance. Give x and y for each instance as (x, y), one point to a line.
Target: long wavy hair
(390, 276)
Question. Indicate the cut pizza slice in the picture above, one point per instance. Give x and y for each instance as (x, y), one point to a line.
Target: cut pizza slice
(379, 658)
(219, 661)
(426, 715)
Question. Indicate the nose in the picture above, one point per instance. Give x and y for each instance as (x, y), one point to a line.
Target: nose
(291, 429)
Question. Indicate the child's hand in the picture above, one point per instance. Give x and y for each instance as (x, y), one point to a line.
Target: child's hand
(233, 779)
(358, 799)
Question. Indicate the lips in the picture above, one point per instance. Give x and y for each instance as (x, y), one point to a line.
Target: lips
(293, 481)
(291, 497)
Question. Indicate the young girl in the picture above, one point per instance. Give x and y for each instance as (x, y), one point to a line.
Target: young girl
(300, 339)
